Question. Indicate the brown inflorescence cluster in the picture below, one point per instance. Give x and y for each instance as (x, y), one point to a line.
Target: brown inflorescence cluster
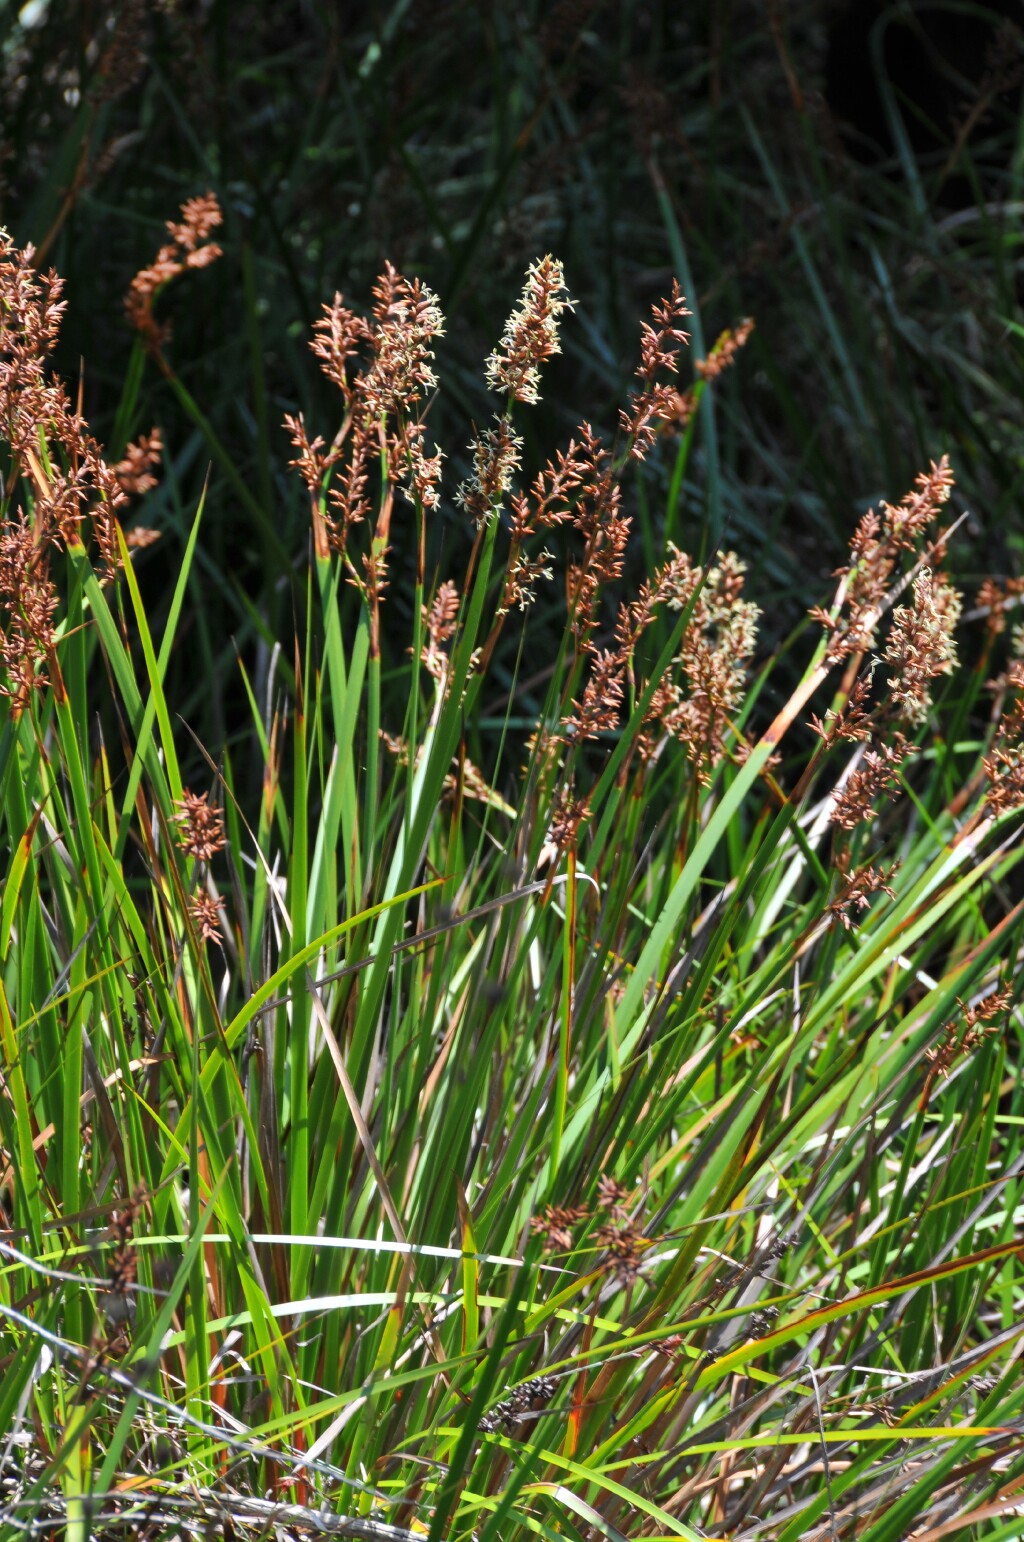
(189, 246)
(531, 333)
(621, 1240)
(657, 402)
(201, 826)
(1004, 764)
(876, 548)
(383, 369)
(918, 650)
(857, 887)
(580, 488)
(61, 492)
(963, 1035)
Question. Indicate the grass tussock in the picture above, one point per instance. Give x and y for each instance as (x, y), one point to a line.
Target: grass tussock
(578, 1094)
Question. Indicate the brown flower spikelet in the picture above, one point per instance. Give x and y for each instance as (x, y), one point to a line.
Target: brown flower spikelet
(201, 827)
(921, 645)
(531, 333)
(60, 491)
(383, 368)
(189, 247)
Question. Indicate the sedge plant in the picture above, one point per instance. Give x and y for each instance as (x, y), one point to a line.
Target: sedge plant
(578, 1095)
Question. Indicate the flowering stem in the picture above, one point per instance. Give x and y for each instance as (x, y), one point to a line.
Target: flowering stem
(565, 1019)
